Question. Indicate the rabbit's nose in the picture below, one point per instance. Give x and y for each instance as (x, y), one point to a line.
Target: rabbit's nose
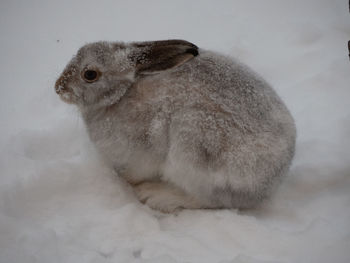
(59, 88)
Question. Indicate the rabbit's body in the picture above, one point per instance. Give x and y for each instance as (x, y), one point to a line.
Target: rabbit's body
(208, 133)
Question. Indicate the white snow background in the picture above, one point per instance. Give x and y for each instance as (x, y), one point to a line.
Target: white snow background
(60, 203)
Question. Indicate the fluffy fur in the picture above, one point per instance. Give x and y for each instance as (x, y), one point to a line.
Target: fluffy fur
(186, 127)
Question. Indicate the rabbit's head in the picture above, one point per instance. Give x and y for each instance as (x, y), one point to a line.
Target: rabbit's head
(102, 72)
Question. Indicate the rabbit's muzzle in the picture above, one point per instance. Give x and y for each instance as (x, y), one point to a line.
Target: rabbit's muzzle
(62, 89)
(62, 81)
(61, 84)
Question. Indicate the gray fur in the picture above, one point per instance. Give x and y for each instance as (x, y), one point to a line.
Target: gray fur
(186, 130)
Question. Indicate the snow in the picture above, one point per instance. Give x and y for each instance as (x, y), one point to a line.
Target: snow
(60, 203)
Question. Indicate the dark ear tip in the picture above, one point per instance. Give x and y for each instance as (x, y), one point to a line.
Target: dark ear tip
(193, 51)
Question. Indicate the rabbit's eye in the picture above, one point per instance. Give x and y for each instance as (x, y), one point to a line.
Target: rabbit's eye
(91, 75)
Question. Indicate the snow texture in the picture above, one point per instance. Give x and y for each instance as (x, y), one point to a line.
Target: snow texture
(60, 203)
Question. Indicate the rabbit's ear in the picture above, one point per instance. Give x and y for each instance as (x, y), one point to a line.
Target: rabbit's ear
(152, 57)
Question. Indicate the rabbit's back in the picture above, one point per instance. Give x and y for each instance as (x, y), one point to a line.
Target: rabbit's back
(232, 87)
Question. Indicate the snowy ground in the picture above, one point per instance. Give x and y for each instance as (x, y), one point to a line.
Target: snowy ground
(60, 203)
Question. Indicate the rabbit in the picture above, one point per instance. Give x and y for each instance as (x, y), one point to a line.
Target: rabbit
(187, 128)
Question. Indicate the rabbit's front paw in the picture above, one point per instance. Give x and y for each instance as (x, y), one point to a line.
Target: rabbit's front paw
(163, 197)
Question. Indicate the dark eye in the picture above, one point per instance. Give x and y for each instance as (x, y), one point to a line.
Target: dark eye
(90, 75)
